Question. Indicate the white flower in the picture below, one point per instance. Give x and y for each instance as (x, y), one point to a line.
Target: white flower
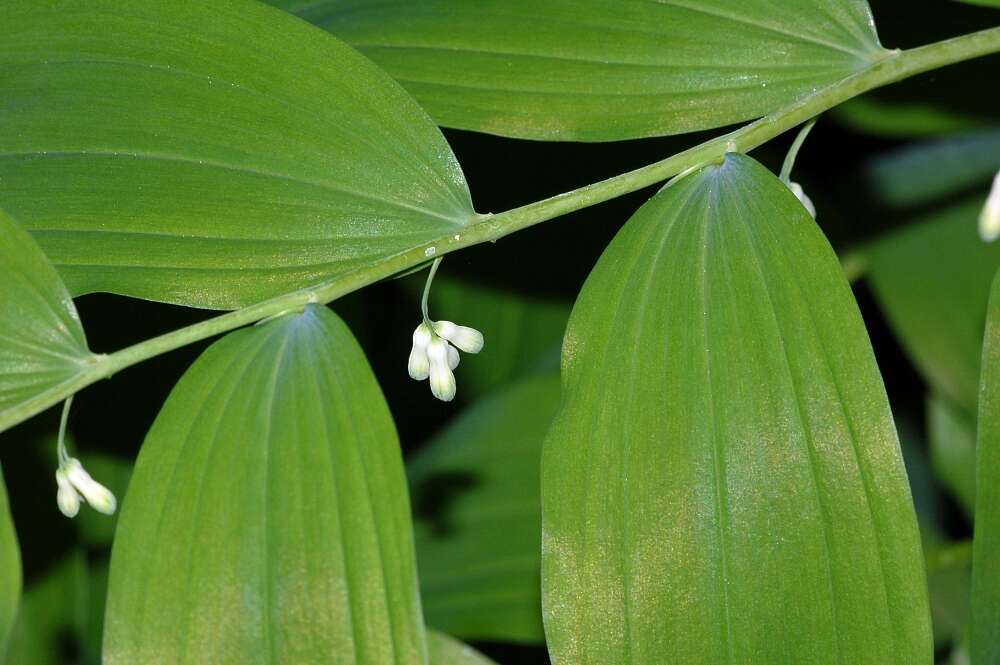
(66, 496)
(418, 365)
(989, 218)
(75, 483)
(433, 357)
(442, 380)
(467, 339)
(803, 199)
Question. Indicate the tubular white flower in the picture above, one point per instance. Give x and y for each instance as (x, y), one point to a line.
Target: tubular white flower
(803, 199)
(465, 338)
(989, 218)
(97, 495)
(66, 497)
(418, 366)
(453, 357)
(442, 380)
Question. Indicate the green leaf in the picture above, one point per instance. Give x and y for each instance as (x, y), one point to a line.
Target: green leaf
(444, 650)
(723, 482)
(42, 344)
(985, 631)
(478, 519)
(951, 435)
(601, 70)
(10, 570)
(524, 331)
(210, 154)
(267, 519)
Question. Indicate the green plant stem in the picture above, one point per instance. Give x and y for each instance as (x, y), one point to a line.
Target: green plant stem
(427, 289)
(894, 66)
(786, 168)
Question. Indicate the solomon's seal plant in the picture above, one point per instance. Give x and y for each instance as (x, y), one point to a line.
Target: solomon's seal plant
(685, 442)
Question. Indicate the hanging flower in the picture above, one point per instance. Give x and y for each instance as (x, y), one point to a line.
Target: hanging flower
(803, 198)
(434, 354)
(418, 366)
(75, 484)
(465, 338)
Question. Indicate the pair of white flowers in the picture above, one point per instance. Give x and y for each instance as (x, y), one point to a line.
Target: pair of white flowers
(433, 355)
(76, 485)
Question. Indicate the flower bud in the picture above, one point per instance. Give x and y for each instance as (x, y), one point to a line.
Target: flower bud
(418, 365)
(803, 199)
(97, 495)
(989, 218)
(66, 497)
(465, 338)
(441, 378)
(453, 357)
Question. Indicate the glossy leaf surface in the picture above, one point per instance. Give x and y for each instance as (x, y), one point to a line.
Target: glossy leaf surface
(985, 630)
(443, 650)
(267, 518)
(724, 457)
(210, 154)
(603, 70)
(10, 570)
(42, 344)
(478, 516)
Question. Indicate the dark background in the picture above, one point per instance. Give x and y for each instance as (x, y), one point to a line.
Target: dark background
(551, 259)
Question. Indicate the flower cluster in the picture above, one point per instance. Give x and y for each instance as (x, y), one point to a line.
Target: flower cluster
(75, 484)
(989, 218)
(434, 356)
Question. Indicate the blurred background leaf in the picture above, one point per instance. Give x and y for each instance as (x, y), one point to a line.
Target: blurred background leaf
(475, 489)
(932, 276)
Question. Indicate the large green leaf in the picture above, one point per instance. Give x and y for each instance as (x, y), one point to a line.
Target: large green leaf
(985, 632)
(267, 519)
(723, 482)
(443, 650)
(210, 153)
(599, 70)
(42, 344)
(10, 571)
(478, 519)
